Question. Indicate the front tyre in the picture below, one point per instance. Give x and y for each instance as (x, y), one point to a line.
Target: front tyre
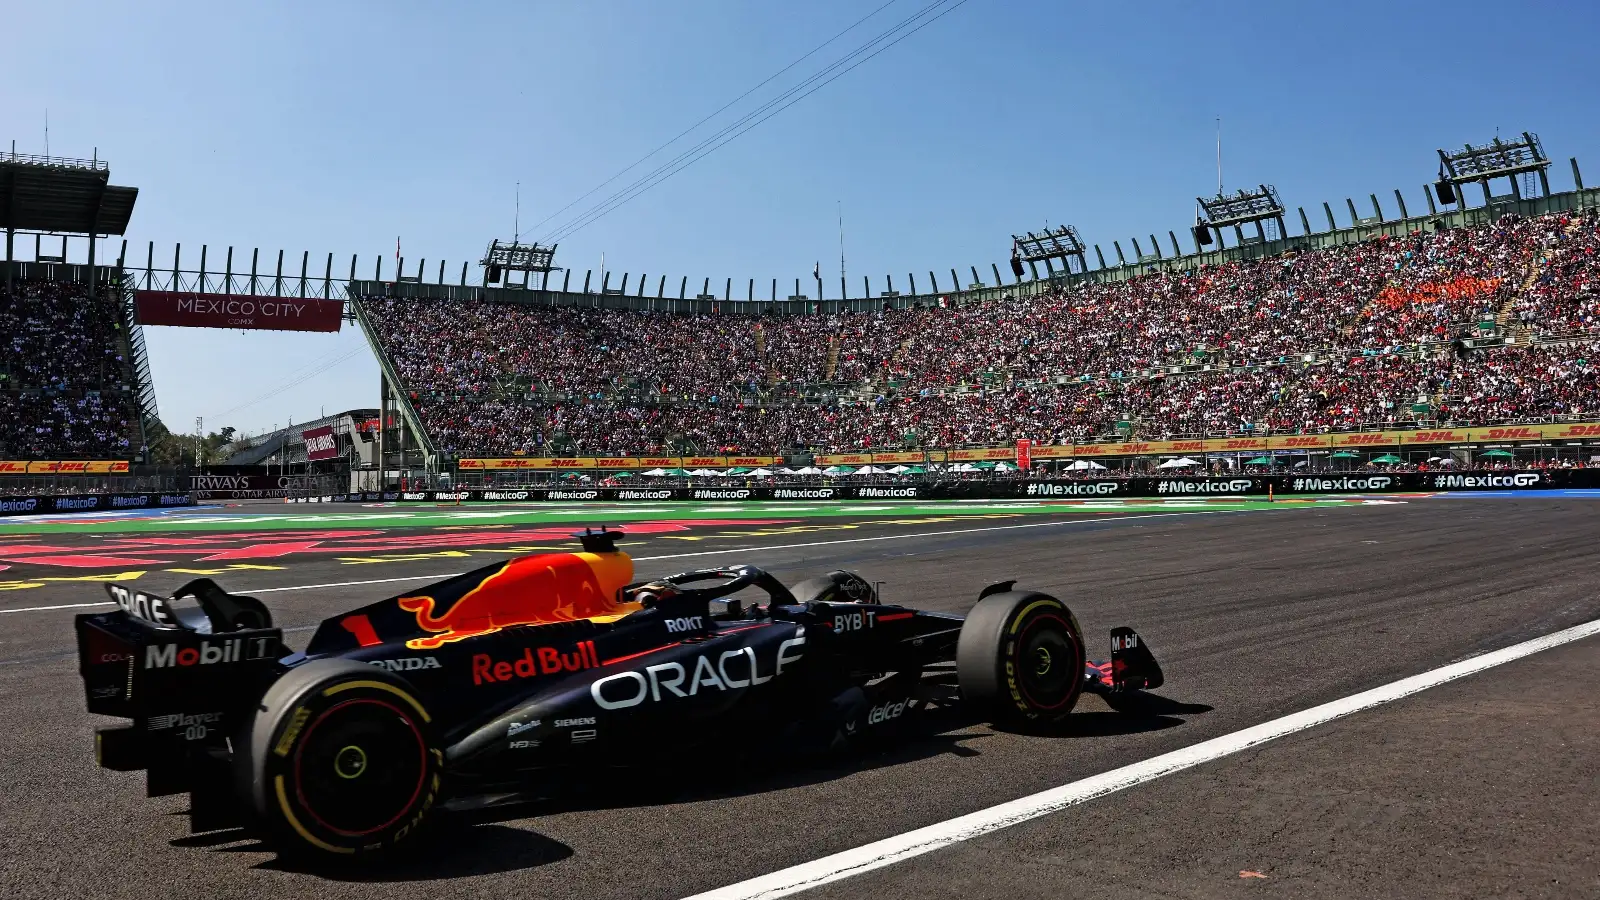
(1020, 658)
(341, 761)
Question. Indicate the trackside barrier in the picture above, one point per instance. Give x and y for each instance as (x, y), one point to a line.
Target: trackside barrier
(1241, 486)
(70, 503)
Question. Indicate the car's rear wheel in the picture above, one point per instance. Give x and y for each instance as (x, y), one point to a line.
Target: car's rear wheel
(1020, 658)
(341, 761)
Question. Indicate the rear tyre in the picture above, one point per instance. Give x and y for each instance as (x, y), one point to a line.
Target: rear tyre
(1020, 658)
(341, 761)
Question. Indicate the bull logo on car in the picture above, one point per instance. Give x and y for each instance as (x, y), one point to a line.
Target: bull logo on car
(532, 590)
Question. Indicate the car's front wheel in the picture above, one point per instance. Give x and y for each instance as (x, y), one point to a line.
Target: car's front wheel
(1020, 658)
(341, 761)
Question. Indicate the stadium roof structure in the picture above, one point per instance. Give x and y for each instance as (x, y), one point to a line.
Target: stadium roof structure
(516, 257)
(1054, 243)
(62, 196)
(1245, 206)
(1500, 159)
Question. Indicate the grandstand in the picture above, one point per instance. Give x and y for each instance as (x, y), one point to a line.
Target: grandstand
(74, 383)
(1420, 328)
(1466, 317)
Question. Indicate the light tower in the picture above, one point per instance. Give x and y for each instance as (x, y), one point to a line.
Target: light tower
(1499, 159)
(1222, 211)
(1061, 242)
(500, 260)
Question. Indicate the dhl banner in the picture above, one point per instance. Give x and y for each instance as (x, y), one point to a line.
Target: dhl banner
(1299, 442)
(901, 459)
(1512, 433)
(843, 459)
(1368, 439)
(755, 461)
(1438, 436)
(990, 453)
(64, 467)
(616, 462)
(1573, 431)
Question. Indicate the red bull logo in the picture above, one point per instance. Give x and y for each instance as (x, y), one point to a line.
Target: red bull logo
(533, 663)
(530, 590)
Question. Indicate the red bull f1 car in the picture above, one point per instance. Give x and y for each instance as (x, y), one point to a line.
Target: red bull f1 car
(503, 677)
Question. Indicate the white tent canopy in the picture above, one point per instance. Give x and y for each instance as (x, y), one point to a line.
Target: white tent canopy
(1082, 464)
(1182, 462)
(759, 473)
(655, 473)
(871, 470)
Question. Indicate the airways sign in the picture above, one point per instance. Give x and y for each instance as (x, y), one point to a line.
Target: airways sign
(237, 311)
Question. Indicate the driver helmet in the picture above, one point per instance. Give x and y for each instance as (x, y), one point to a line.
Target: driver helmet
(650, 593)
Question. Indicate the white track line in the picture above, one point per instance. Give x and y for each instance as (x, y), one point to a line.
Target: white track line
(902, 847)
(885, 537)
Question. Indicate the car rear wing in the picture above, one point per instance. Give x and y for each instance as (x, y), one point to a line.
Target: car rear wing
(184, 676)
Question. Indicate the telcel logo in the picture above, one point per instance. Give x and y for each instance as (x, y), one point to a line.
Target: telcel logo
(887, 711)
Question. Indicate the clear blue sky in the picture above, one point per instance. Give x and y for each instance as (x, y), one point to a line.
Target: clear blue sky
(338, 126)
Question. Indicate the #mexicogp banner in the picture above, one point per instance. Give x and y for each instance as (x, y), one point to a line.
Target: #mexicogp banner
(238, 311)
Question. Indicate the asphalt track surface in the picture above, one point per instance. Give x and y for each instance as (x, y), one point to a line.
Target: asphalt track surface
(1488, 786)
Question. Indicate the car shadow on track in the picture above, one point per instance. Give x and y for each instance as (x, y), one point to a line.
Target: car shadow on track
(474, 841)
(457, 847)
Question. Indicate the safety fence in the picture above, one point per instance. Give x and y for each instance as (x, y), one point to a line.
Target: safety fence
(1014, 489)
(36, 504)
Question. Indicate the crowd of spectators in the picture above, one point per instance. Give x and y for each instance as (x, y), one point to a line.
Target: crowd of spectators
(65, 385)
(1376, 319)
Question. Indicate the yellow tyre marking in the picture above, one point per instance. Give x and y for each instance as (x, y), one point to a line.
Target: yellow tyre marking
(350, 685)
(1017, 621)
(313, 840)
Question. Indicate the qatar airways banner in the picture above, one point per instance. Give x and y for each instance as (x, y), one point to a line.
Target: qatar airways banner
(320, 443)
(238, 311)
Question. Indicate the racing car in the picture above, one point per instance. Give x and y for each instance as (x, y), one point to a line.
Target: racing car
(504, 677)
